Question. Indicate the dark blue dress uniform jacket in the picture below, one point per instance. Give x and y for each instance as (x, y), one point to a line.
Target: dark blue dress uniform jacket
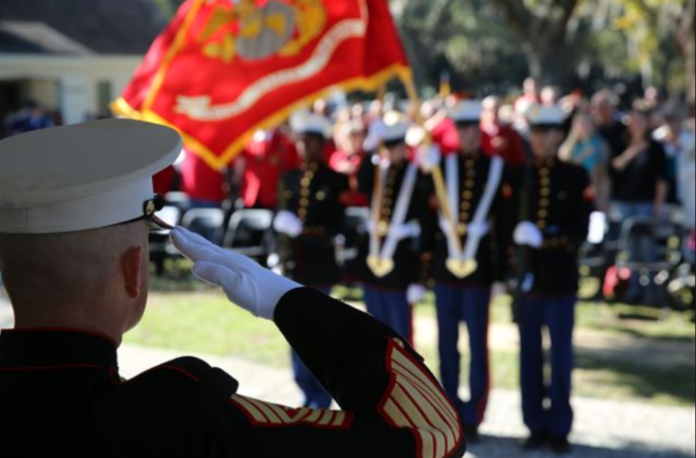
(310, 259)
(61, 396)
(562, 201)
(492, 256)
(407, 258)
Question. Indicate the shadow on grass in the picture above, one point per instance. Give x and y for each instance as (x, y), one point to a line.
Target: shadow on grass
(500, 447)
(644, 381)
(640, 322)
(659, 337)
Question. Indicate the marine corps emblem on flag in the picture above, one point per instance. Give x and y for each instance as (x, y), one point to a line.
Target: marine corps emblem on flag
(263, 31)
(224, 69)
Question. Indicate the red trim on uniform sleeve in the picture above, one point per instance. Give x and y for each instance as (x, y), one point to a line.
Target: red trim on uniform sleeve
(266, 415)
(414, 400)
(175, 369)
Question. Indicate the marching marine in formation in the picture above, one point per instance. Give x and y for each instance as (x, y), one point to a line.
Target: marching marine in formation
(311, 214)
(555, 201)
(470, 255)
(74, 257)
(391, 270)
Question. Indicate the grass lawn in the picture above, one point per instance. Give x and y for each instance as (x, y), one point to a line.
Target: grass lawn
(194, 318)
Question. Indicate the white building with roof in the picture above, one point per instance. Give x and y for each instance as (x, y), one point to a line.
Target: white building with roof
(74, 56)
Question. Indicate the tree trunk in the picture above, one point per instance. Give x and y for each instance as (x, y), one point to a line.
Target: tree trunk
(686, 36)
(691, 71)
(544, 35)
(549, 64)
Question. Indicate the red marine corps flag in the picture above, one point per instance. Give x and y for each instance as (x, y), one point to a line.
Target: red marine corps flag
(223, 68)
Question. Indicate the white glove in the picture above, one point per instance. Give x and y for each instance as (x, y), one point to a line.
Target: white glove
(498, 290)
(407, 231)
(246, 283)
(375, 133)
(370, 225)
(528, 234)
(479, 229)
(288, 223)
(445, 225)
(428, 157)
(415, 293)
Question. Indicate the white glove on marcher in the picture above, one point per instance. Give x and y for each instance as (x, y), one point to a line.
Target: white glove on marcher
(288, 223)
(374, 134)
(479, 229)
(529, 234)
(416, 293)
(428, 157)
(246, 284)
(445, 225)
(370, 225)
(498, 290)
(407, 231)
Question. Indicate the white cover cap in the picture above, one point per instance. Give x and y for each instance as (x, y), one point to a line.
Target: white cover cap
(82, 177)
(395, 127)
(540, 116)
(468, 111)
(304, 122)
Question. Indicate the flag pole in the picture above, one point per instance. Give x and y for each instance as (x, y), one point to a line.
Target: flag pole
(438, 177)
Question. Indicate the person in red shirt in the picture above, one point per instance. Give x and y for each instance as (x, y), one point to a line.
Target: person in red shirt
(270, 155)
(205, 186)
(497, 138)
(444, 132)
(349, 157)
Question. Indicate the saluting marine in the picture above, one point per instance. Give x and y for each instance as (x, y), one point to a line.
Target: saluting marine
(311, 214)
(74, 257)
(391, 270)
(470, 255)
(557, 200)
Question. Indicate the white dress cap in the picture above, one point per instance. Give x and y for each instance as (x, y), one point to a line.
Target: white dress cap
(304, 123)
(540, 116)
(466, 111)
(396, 127)
(82, 177)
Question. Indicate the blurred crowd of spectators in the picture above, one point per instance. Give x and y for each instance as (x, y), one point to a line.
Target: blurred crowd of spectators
(641, 155)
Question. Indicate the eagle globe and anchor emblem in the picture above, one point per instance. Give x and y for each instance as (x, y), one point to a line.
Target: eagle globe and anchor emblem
(256, 31)
(253, 32)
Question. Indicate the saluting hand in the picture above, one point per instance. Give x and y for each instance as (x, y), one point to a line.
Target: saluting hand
(246, 284)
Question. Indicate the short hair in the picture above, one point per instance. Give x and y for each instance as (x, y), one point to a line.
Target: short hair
(674, 112)
(605, 95)
(492, 101)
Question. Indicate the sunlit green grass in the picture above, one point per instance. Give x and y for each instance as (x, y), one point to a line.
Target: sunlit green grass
(203, 321)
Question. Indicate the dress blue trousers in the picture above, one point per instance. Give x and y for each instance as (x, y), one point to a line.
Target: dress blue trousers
(391, 308)
(471, 306)
(558, 315)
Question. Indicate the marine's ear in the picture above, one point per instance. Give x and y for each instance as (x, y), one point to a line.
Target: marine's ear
(132, 269)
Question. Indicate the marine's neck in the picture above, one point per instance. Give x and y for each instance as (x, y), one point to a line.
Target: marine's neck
(44, 315)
